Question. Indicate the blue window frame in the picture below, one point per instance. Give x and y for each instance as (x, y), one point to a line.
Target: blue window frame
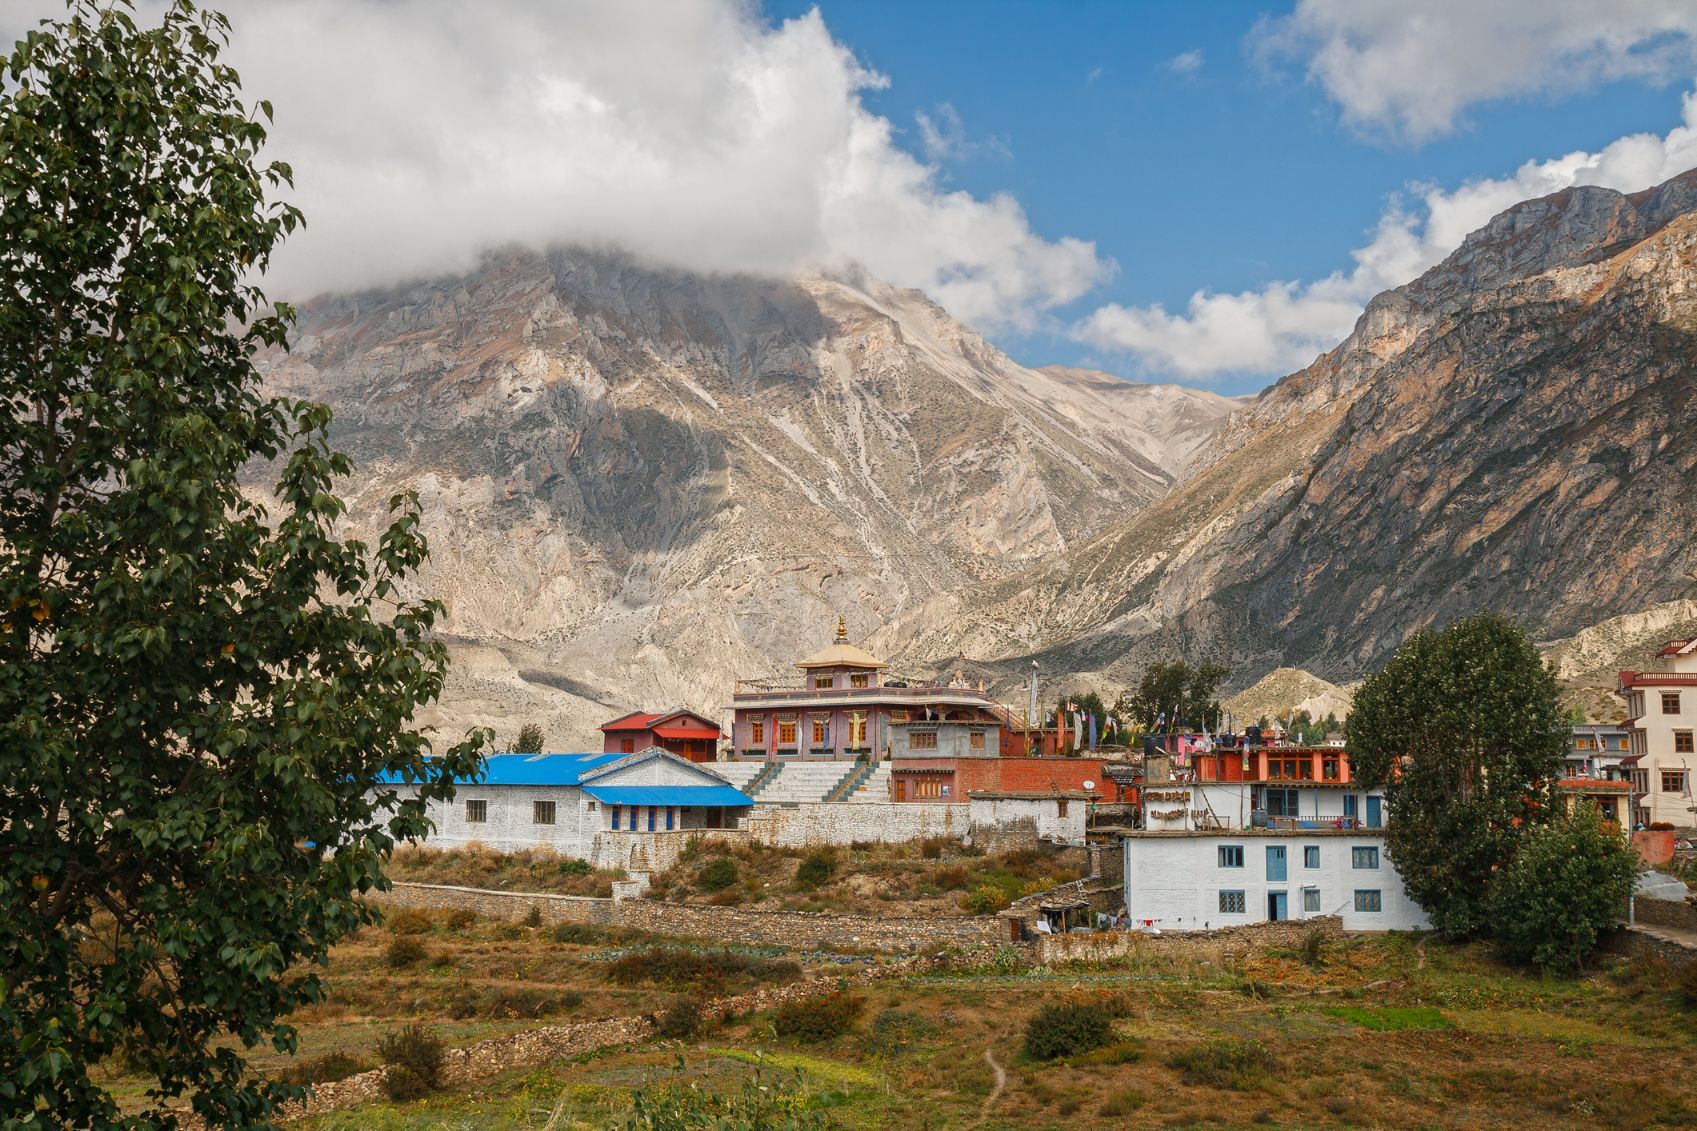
(615, 811)
(1351, 805)
(1364, 856)
(1367, 899)
(1282, 802)
(1233, 903)
(671, 816)
(1231, 855)
(651, 815)
(1310, 856)
(1375, 812)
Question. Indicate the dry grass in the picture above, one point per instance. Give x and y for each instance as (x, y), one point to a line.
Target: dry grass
(533, 869)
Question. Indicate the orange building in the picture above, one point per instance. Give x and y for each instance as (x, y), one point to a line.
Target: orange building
(684, 733)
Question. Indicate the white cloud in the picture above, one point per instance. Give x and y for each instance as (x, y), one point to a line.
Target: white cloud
(1410, 70)
(943, 137)
(1282, 326)
(1186, 62)
(691, 132)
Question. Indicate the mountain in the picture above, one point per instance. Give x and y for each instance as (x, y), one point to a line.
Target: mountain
(1284, 691)
(1515, 430)
(641, 484)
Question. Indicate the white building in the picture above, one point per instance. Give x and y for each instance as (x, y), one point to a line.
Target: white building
(1661, 708)
(596, 807)
(1197, 881)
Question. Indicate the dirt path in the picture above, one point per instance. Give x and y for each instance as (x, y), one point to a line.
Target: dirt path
(996, 1088)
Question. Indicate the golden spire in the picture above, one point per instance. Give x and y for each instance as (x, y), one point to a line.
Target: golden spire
(842, 628)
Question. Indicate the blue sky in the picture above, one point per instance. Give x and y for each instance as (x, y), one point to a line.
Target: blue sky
(1223, 175)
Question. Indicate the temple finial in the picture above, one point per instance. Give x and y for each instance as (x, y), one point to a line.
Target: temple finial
(842, 629)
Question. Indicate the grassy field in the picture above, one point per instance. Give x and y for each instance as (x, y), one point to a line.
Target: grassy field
(535, 869)
(1368, 1031)
(931, 877)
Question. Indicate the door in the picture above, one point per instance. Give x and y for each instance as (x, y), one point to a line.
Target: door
(1349, 806)
(1276, 864)
(1375, 812)
(1277, 907)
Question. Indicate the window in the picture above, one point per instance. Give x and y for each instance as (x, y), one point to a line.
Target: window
(786, 733)
(1682, 742)
(1329, 769)
(857, 729)
(615, 810)
(1673, 781)
(977, 741)
(1290, 769)
(1368, 900)
(1363, 856)
(922, 740)
(671, 818)
(476, 812)
(1310, 900)
(823, 682)
(542, 812)
(860, 680)
(757, 732)
(1061, 807)
(1231, 855)
(1584, 742)
(821, 731)
(1311, 856)
(1232, 903)
(1282, 802)
(928, 787)
(627, 745)
(1670, 702)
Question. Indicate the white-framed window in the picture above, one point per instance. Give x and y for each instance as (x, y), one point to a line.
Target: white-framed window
(1368, 899)
(1233, 903)
(476, 812)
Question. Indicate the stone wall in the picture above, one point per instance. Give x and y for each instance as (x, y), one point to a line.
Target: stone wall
(501, 904)
(1103, 946)
(1631, 943)
(1679, 914)
(883, 822)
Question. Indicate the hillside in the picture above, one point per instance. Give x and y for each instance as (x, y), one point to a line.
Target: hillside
(1284, 691)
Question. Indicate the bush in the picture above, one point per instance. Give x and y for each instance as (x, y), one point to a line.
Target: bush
(756, 1103)
(407, 921)
(984, 899)
(404, 951)
(682, 1022)
(1311, 949)
(1238, 1065)
(1569, 882)
(816, 868)
(719, 873)
(460, 919)
(952, 878)
(931, 850)
(414, 1058)
(325, 1069)
(533, 917)
(815, 1019)
(703, 971)
(895, 1031)
(1067, 1029)
(510, 1003)
(1688, 984)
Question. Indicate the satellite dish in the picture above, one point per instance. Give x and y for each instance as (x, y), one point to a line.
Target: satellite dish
(1088, 784)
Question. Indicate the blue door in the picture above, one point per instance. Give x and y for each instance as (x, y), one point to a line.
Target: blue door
(1349, 806)
(1276, 864)
(1277, 907)
(1375, 812)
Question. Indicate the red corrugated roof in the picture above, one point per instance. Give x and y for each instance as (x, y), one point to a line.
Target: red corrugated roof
(636, 720)
(653, 720)
(713, 734)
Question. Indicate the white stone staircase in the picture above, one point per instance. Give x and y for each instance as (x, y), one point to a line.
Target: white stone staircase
(804, 781)
(876, 787)
(738, 774)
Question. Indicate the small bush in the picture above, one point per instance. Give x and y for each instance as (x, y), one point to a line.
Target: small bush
(895, 1031)
(414, 1057)
(816, 868)
(407, 921)
(682, 1022)
(573, 866)
(1688, 985)
(931, 850)
(710, 971)
(951, 878)
(1311, 950)
(404, 951)
(325, 1069)
(984, 899)
(815, 1019)
(719, 873)
(533, 917)
(510, 1002)
(1122, 1105)
(1238, 1065)
(460, 919)
(1066, 1029)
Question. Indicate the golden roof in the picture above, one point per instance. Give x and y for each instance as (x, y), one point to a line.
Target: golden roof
(842, 654)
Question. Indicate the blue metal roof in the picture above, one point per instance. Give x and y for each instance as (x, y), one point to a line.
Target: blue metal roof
(536, 769)
(711, 796)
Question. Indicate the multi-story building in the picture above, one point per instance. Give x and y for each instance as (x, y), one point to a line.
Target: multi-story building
(847, 706)
(682, 732)
(1661, 708)
(1595, 750)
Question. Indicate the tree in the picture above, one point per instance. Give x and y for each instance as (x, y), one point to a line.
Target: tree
(1569, 882)
(529, 740)
(1462, 731)
(1183, 695)
(200, 698)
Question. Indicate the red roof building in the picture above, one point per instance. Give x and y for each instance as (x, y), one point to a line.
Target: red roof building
(684, 733)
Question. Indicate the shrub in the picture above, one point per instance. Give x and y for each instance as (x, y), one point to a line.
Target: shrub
(816, 868)
(1569, 882)
(931, 850)
(894, 1031)
(1688, 984)
(952, 878)
(407, 921)
(718, 874)
(414, 1057)
(533, 917)
(984, 899)
(1067, 1029)
(325, 1069)
(682, 1022)
(814, 1019)
(703, 971)
(459, 919)
(1311, 949)
(510, 1002)
(1122, 1105)
(757, 1102)
(1238, 1065)
(573, 866)
(404, 951)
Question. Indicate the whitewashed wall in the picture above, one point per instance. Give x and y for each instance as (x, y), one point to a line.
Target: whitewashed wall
(1045, 812)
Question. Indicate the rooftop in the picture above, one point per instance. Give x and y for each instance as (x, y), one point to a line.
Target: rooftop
(841, 654)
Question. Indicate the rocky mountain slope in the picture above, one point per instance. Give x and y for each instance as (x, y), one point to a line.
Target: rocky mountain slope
(1515, 431)
(640, 485)
(1284, 691)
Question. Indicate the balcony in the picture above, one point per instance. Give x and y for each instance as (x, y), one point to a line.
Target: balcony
(765, 689)
(1294, 824)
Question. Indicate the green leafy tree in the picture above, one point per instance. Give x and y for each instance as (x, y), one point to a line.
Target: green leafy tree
(200, 697)
(1462, 731)
(1569, 883)
(529, 740)
(1184, 695)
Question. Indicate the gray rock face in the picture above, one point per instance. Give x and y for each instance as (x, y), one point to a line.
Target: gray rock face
(640, 485)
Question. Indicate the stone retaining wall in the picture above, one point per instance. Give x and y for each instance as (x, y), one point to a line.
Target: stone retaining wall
(501, 904)
(1630, 943)
(1102, 946)
(1679, 914)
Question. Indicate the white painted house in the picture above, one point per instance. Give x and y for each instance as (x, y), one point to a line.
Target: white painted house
(596, 807)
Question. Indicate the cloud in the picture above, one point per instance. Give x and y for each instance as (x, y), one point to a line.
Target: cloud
(943, 137)
(691, 132)
(1409, 70)
(1186, 63)
(1285, 324)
